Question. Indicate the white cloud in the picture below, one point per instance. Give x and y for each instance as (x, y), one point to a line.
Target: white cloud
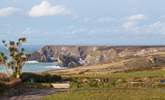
(47, 9)
(129, 25)
(132, 21)
(136, 17)
(8, 11)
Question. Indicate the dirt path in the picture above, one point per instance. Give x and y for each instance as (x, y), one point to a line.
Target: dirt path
(35, 94)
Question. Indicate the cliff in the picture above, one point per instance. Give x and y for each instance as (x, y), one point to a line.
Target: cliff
(72, 56)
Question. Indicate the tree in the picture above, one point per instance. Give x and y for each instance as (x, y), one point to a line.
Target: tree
(16, 58)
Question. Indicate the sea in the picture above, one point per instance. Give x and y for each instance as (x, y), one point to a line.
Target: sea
(32, 66)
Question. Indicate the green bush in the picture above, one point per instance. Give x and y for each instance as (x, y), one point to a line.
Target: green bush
(96, 82)
(40, 78)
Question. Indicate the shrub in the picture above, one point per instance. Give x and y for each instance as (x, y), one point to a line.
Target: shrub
(4, 77)
(16, 58)
(40, 78)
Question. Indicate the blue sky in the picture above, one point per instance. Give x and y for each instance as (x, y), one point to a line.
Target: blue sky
(90, 22)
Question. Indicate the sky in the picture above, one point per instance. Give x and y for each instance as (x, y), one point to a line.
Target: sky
(84, 22)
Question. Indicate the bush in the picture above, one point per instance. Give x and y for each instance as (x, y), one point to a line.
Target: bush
(40, 78)
(4, 77)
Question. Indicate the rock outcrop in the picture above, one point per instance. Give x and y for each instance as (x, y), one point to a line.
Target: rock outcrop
(72, 56)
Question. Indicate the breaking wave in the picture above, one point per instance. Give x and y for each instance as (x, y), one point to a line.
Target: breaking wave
(31, 62)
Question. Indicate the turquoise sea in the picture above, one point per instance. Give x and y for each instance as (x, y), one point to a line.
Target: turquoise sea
(35, 67)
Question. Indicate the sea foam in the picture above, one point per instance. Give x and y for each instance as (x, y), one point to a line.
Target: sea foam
(31, 62)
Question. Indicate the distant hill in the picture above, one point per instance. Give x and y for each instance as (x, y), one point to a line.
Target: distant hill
(73, 56)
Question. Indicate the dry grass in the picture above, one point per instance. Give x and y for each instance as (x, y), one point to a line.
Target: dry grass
(121, 65)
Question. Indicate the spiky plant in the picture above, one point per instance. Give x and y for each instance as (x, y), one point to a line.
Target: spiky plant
(16, 58)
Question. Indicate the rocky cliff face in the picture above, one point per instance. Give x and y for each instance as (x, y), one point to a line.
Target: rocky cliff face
(71, 56)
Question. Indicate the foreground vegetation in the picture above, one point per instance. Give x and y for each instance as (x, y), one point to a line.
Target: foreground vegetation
(147, 79)
(125, 75)
(10, 86)
(132, 85)
(113, 94)
(135, 85)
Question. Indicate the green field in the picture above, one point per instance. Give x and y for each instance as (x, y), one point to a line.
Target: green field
(146, 79)
(125, 75)
(112, 94)
(136, 85)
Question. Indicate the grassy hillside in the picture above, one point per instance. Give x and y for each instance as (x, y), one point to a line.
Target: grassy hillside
(151, 62)
(130, 78)
(134, 85)
(114, 94)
